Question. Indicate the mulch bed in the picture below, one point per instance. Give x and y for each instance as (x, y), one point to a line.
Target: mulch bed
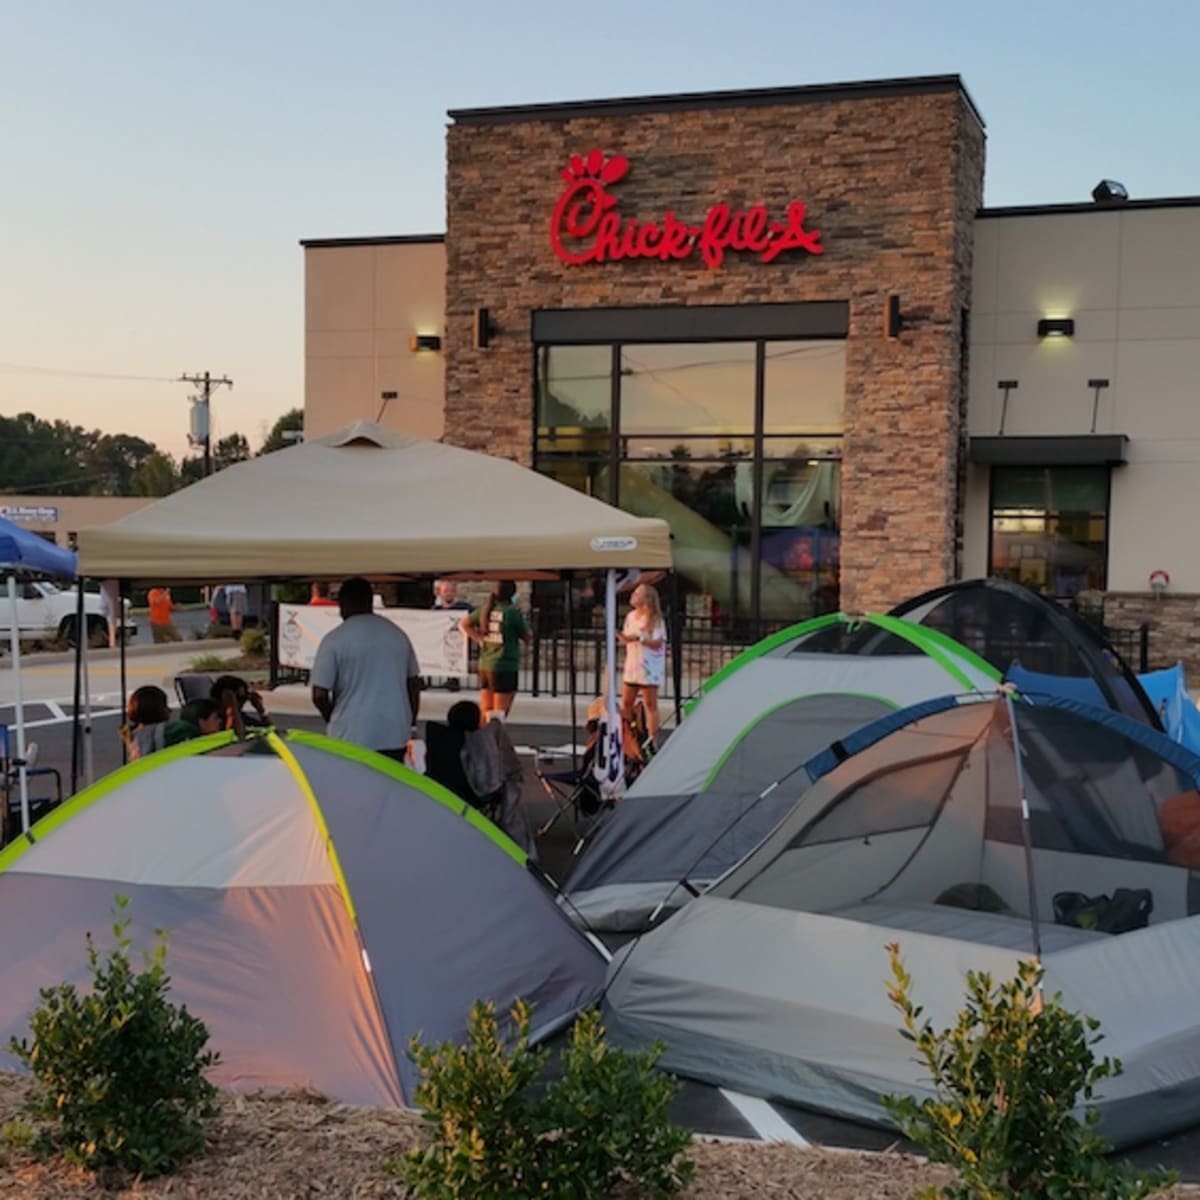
(296, 1147)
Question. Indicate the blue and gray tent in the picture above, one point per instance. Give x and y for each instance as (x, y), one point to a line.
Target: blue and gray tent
(323, 904)
(699, 806)
(975, 834)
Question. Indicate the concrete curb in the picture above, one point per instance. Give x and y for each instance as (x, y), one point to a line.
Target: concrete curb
(206, 645)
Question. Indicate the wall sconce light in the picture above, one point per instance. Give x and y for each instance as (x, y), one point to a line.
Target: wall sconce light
(481, 329)
(424, 341)
(1056, 327)
(893, 318)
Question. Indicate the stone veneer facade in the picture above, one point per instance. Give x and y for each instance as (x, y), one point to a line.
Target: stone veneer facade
(892, 175)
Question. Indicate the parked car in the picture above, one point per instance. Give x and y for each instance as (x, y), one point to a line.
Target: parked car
(46, 612)
(218, 608)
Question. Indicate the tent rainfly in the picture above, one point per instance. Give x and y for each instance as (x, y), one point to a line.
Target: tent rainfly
(322, 905)
(369, 502)
(733, 768)
(975, 835)
(1012, 626)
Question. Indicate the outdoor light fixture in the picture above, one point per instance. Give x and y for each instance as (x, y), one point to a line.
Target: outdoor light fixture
(481, 329)
(424, 341)
(1056, 327)
(1109, 191)
(1006, 386)
(893, 318)
(1097, 386)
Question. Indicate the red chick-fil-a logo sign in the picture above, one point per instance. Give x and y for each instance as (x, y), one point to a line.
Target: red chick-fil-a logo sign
(587, 228)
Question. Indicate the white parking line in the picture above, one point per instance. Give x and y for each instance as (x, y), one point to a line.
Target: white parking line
(65, 719)
(764, 1120)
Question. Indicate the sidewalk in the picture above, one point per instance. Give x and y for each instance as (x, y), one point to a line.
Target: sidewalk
(294, 699)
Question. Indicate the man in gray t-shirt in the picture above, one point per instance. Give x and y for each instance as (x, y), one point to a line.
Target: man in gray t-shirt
(364, 679)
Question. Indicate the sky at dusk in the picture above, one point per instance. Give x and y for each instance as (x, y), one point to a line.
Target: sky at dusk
(161, 161)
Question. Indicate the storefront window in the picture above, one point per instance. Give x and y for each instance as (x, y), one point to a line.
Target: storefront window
(805, 384)
(753, 505)
(1050, 528)
(691, 389)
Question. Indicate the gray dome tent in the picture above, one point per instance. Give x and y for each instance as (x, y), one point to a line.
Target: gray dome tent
(773, 981)
(699, 807)
(323, 904)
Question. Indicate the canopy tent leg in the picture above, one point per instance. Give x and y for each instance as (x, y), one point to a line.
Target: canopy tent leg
(123, 591)
(89, 761)
(76, 708)
(18, 701)
(610, 765)
(676, 636)
(569, 610)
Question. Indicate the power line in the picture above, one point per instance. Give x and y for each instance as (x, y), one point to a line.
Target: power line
(9, 368)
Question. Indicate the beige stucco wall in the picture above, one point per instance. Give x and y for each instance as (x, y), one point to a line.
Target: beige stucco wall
(1128, 277)
(362, 304)
(64, 515)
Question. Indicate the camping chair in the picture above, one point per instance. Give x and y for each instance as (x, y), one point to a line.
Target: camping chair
(10, 787)
(443, 764)
(193, 685)
(577, 791)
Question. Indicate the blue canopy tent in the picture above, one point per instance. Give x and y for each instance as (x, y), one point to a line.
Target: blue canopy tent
(23, 554)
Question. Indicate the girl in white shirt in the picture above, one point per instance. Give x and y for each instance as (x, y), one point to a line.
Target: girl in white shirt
(644, 635)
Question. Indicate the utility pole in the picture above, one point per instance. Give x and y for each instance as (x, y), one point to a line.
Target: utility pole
(200, 425)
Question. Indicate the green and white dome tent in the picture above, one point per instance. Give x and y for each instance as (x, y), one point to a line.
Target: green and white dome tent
(699, 806)
(323, 904)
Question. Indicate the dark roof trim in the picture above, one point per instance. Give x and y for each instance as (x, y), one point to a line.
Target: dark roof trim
(404, 239)
(691, 323)
(1050, 210)
(750, 97)
(1084, 450)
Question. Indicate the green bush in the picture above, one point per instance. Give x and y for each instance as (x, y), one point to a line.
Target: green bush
(498, 1132)
(1007, 1077)
(255, 643)
(119, 1073)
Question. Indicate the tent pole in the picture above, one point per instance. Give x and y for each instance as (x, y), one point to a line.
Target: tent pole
(569, 607)
(18, 700)
(76, 724)
(1026, 832)
(123, 593)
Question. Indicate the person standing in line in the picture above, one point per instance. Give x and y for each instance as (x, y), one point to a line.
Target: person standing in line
(111, 606)
(364, 678)
(162, 627)
(644, 636)
(499, 627)
(236, 597)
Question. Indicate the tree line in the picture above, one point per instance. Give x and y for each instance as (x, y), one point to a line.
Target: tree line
(58, 458)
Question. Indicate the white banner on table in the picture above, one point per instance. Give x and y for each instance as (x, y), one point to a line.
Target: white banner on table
(435, 635)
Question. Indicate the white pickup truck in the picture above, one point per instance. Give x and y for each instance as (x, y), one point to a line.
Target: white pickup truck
(46, 612)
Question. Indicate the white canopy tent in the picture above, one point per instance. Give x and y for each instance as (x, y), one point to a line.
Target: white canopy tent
(365, 501)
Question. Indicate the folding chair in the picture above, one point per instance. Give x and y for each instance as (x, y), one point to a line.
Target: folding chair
(10, 787)
(193, 685)
(443, 764)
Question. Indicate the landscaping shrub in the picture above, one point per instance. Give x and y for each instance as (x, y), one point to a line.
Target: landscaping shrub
(119, 1072)
(255, 643)
(498, 1132)
(1007, 1077)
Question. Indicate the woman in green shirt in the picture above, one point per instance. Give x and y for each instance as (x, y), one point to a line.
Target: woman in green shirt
(499, 627)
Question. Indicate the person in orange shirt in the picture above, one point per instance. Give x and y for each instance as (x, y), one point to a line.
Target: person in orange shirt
(162, 627)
